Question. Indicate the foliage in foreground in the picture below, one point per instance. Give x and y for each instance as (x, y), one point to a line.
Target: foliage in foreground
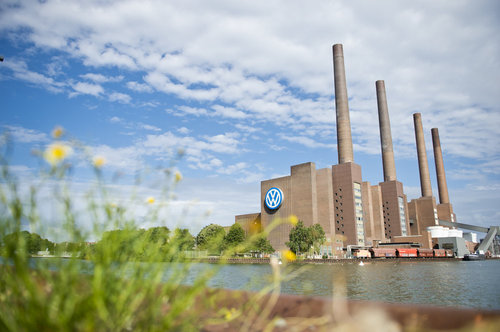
(117, 289)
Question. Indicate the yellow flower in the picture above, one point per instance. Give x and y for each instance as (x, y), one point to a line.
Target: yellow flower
(99, 161)
(288, 255)
(56, 152)
(178, 176)
(150, 200)
(293, 219)
(230, 313)
(57, 132)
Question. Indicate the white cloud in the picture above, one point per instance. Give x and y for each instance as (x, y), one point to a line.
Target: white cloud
(250, 57)
(20, 71)
(87, 89)
(115, 119)
(128, 158)
(99, 78)
(139, 87)
(26, 135)
(306, 141)
(246, 129)
(149, 127)
(183, 130)
(183, 110)
(229, 112)
(120, 97)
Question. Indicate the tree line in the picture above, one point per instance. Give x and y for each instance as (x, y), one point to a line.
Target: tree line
(160, 243)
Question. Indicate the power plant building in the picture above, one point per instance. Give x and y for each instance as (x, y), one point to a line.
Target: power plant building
(350, 211)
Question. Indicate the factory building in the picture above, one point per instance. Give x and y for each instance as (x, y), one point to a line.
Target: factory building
(353, 212)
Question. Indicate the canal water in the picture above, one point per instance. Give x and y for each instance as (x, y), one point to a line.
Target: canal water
(474, 284)
(455, 283)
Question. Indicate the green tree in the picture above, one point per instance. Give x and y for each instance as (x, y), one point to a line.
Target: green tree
(262, 245)
(182, 239)
(32, 241)
(317, 236)
(211, 238)
(235, 236)
(300, 238)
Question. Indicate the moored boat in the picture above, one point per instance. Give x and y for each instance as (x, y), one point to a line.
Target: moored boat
(474, 257)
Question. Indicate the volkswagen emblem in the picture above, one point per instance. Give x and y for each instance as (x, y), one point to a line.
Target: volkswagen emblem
(274, 198)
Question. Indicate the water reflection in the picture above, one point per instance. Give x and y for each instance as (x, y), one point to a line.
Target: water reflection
(454, 283)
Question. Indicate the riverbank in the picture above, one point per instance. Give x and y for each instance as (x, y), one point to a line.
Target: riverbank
(217, 260)
(292, 312)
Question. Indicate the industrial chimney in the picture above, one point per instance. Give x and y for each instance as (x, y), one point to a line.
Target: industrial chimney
(385, 133)
(438, 160)
(344, 139)
(423, 166)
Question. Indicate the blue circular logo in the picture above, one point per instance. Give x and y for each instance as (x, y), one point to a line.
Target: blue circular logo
(274, 198)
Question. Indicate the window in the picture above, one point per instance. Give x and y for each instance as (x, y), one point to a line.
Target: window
(402, 217)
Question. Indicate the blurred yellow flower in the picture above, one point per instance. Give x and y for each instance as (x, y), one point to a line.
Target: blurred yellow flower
(230, 313)
(99, 161)
(56, 152)
(150, 200)
(178, 176)
(293, 219)
(288, 255)
(57, 132)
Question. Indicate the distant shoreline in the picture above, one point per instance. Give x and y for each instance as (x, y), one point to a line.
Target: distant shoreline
(329, 261)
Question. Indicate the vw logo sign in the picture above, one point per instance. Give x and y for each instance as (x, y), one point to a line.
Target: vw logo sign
(274, 198)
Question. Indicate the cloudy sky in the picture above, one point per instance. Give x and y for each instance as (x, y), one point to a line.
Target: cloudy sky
(245, 88)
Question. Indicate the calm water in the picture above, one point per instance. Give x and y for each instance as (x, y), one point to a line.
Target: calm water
(455, 283)
(473, 284)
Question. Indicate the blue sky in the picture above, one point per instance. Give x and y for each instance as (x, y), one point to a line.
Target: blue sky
(245, 88)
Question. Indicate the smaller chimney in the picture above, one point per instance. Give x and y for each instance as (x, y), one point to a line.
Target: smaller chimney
(344, 139)
(438, 160)
(423, 166)
(385, 133)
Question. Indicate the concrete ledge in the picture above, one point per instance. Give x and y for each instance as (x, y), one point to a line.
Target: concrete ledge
(290, 312)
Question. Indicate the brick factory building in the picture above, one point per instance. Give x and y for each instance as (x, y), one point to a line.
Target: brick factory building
(353, 212)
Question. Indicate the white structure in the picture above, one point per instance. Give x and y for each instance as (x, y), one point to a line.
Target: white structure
(440, 231)
(471, 237)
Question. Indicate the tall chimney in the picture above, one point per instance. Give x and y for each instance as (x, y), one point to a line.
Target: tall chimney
(423, 166)
(438, 160)
(385, 133)
(344, 140)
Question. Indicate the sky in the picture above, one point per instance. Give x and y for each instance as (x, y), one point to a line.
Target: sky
(245, 90)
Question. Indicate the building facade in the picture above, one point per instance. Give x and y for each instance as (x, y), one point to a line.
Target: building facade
(350, 211)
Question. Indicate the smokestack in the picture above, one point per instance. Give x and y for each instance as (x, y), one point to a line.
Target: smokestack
(438, 160)
(423, 166)
(344, 140)
(385, 133)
